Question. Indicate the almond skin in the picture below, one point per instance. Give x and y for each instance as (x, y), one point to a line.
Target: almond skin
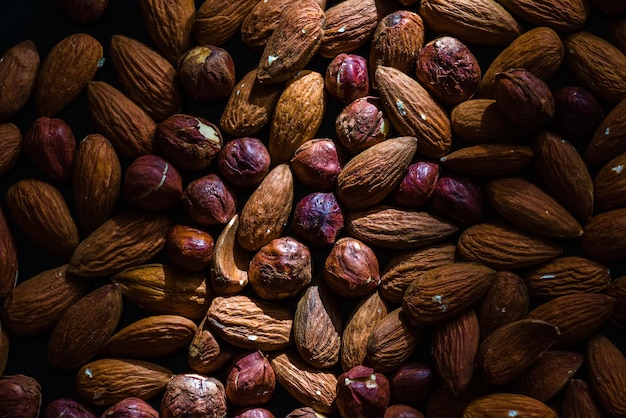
(10, 147)
(604, 236)
(578, 401)
(550, 374)
(610, 184)
(607, 370)
(65, 72)
(8, 258)
(501, 404)
(479, 121)
(605, 144)
(565, 16)
(217, 22)
(19, 67)
(489, 160)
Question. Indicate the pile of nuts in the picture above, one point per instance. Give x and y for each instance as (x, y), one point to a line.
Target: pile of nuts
(302, 208)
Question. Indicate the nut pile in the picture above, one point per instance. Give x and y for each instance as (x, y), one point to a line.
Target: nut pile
(357, 208)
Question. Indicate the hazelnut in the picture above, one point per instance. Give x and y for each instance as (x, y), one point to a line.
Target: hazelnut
(460, 199)
(208, 201)
(317, 163)
(207, 73)
(253, 413)
(193, 395)
(577, 113)
(67, 408)
(351, 268)
(189, 248)
(317, 219)
(448, 70)
(362, 393)
(244, 162)
(362, 124)
(131, 408)
(305, 412)
(523, 99)
(20, 397)
(190, 142)
(50, 143)
(83, 12)
(280, 269)
(411, 383)
(402, 411)
(152, 184)
(418, 185)
(347, 77)
(251, 380)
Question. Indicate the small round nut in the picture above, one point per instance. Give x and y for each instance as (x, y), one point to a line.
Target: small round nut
(577, 113)
(207, 73)
(347, 77)
(351, 268)
(402, 411)
(50, 143)
(194, 395)
(362, 124)
(189, 248)
(460, 199)
(244, 162)
(152, 184)
(411, 383)
(253, 413)
(131, 408)
(67, 408)
(250, 380)
(317, 219)
(418, 185)
(317, 163)
(361, 393)
(20, 396)
(208, 201)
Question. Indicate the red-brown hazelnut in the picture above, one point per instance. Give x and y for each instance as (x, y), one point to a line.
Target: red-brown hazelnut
(347, 77)
(189, 248)
(418, 185)
(253, 413)
(402, 411)
(448, 70)
(304, 412)
(190, 142)
(194, 395)
(317, 219)
(251, 380)
(280, 269)
(317, 163)
(411, 383)
(577, 113)
(351, 268)
(50, 143)
(207, 73)
(83, 12)
(67, 408)
(208, 201)
(152, 184)
(244, 162)
(460, 199)
(20, 396)
(131, 408)
(362, 393)
(362, 124)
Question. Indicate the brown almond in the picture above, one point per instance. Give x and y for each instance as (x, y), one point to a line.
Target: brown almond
(414, 112)
(513, 348)
(127, 239)
(482, 22)
(445, 292)
(150, 337)
(84, 327)
(398, 229)
(578, 401)
(565, 16)
(617, 290)
(105, 382)
(578, 316)
(604, 237)
(607, 374)
(501, 404)
(606, 143)
(374, 173)
(19, 67)
(610, 184)
(65, 72)
(41, 213)
(550, 374)
(217, 21)
(479, 121)
(489, 160)
(10, 147)
(8, 258)
(4, 348)
(503, 247)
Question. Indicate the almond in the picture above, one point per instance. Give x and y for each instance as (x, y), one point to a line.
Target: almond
(483, 22)
(291, 127)
(84, 327)
(527, 206)
(10, 147)
(96, 181)
(249, 323)
(127, 239)
(398, 229)
(38, 302)
(146, 77)
(605, 144)
(563, 171)
(479, 121)
(217, 22)
(129, 128)
(265, 213)
(578, 316)
(19, 67)
(65, 72)
(564, 16)
(539, 51)
(150, 337)
(566, 275)
(610, 185)
(105, 382)
(503, 404)
(488, 160)
(229, 272)
(41, 213)
(597, 65)
(578, 401)
(604, 237)
(367, 314)
(4, 348)
(502, 247)
(169, 25)
(550, 374)
(513, 348)
(374, 173)
(206, 353)
(293, 43)
(8, 258)
(414, 112)
(607, 374)
(617, 290)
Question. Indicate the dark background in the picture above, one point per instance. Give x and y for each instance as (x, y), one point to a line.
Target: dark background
(42, 22)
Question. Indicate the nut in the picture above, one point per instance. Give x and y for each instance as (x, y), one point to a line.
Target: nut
(362, 393)
(253, 413)
(460, 199)
(317, 219)
(347, 78)
(402, 411)
(50, 143)
(251, 380)
(67, 408)
(411, 383)
(208, 201)
(418, 184)
(131, 408)
(152, 184)
(362, 124)
(244, 162)
(189, 248)
(194, 395)
(83, 12)
(577, 113)
(317, 163)
(20, 396)
(207, 73)
(351, 268)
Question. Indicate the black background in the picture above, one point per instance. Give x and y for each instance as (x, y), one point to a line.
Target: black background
(42, 22)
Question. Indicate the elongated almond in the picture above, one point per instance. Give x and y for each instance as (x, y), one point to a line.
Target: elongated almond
(19, 67)
(479, 121)
(501, 404)
(578, 401)
(217, 21)
(564, 16)
(604, 237)
(392, 341)
(550, 374)
(10, 147)
(606, 143)
(8, 258)
(607, 370)
(489, 160)
(610, 184)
